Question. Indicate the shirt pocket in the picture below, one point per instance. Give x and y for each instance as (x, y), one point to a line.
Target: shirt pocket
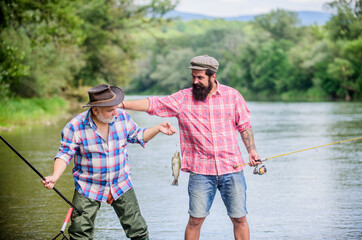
(91, 147)
(225, 124)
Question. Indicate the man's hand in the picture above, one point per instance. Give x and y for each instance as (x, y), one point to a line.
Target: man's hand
(49, 182)
(167, 128)
(58, 169)
(253, 157)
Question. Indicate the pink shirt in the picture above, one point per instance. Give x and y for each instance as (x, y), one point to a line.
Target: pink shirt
(208, 129)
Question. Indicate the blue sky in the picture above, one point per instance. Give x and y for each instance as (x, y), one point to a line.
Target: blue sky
(231, 8)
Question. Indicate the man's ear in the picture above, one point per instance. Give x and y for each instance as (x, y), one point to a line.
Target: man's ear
(95, 111)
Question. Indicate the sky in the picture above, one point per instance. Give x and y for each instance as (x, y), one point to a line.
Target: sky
(232, 8)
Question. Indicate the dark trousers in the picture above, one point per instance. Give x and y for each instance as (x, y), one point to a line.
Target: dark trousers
(126, 208)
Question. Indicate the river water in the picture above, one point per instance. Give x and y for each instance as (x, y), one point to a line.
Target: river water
(314, 194)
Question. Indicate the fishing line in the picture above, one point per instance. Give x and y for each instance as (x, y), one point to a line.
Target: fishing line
(42, 177)
(262, 169)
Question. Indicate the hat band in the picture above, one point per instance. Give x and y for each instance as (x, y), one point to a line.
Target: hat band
(107, 100)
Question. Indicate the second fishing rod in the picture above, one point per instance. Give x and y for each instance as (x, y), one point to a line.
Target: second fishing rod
(260, 170)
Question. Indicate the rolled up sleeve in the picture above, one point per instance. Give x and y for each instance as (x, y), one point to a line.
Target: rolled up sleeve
(168, 106)
(135, 134)
(242, 119)
(68, 145)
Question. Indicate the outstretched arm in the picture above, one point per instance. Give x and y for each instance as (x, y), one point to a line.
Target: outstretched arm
(136, 105)
(165, 127)
(58, 169)
(248, 138)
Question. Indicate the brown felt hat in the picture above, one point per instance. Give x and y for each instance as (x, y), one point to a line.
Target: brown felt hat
(204, 62)
(104, 95)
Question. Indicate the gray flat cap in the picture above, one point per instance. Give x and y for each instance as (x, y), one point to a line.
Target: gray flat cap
(204, 62)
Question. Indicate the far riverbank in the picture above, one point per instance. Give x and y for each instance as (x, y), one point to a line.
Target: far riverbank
(19, 113)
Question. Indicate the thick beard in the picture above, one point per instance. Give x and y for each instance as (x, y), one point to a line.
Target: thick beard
(200, 92)
(105, 120)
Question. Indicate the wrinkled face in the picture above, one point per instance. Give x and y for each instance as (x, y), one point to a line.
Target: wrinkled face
(105, 114)
(202, 84)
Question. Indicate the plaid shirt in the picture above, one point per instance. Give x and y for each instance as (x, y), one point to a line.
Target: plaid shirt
(208, 129)
(100, 167)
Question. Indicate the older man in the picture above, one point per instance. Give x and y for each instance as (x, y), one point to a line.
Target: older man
(97, 140)
(209, 115)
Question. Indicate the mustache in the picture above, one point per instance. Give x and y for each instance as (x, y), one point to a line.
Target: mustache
(198, 85)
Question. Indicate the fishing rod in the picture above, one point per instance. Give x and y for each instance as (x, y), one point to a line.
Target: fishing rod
(262, 169)
(66, 220)
(42, 177)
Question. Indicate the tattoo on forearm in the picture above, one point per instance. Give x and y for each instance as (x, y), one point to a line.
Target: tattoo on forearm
(248, 139)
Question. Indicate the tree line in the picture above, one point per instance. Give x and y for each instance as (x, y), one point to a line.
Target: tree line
(48, 49)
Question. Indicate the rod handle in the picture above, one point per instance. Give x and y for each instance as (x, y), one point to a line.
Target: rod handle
(259, 160)
(67, 218)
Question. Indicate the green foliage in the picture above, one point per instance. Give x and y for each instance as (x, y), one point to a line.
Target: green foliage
(11, 69)
(110, 45)
(50, 67)
(341, 70)
(347, 23)
(280, 24)
(172, 80)
(272, 58)
(42, 21)
(271, 70)
(22, 112)
(165, 69)
(37, 32)
(50, 48)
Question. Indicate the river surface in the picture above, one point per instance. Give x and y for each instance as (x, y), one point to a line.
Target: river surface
(315, 194)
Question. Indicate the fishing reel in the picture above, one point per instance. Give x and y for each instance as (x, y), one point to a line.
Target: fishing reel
(260, 170)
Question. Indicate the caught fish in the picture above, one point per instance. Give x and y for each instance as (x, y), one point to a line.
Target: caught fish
(175, 166)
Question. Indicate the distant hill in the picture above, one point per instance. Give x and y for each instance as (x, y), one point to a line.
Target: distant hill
(306, 17)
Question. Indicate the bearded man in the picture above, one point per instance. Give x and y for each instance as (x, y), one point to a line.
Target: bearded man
(209, 116)
(97, 140)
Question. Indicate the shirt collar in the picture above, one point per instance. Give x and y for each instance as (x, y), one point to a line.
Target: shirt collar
(218, 89)
(88, 120)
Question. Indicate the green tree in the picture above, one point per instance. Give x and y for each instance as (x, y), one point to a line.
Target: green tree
(347, 22)
(345, 30)
(240, 62)
(29, 28)
(271, 70)
(65, 43)
(310, 59)
(280, 24)
(110, 46)
(11, 68)
(342, 70)
(172, 73)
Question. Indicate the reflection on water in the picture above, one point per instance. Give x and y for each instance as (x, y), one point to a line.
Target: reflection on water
(314, 194)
